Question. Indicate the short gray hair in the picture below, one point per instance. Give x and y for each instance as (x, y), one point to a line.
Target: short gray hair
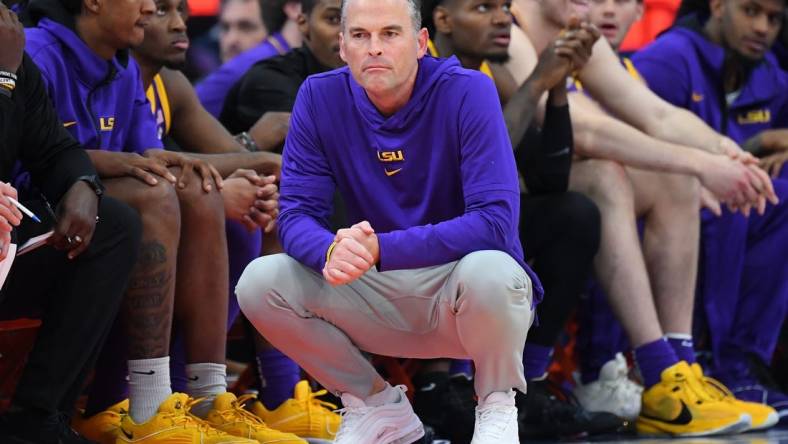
(414, 9)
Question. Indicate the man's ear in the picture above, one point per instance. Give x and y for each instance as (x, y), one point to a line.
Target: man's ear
(442, 20)
(342, 46)
(423, 38)
(292, 10)
(93, 6)
(303, 25)
(716, 8)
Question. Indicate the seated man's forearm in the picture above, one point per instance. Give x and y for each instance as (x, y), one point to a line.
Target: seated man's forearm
(598, 135)
(261, 162)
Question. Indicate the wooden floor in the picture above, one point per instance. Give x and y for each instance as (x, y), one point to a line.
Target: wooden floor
(774, 436)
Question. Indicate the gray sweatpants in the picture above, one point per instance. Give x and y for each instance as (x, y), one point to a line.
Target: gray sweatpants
(478, 307)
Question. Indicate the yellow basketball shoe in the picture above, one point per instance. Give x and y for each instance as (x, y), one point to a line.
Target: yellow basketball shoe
(304, 414)
(762, 415)
(229, 416)
(103, 427)
(679, 405)
(174, 425)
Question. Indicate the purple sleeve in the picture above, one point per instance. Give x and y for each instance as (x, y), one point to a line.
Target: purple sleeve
(668, 80)
(143, 131)
(211, 92)
(490, 188)
(306, 190)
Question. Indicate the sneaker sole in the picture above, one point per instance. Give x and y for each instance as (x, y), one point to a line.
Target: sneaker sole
(414, 434)
(770, 422)
(653, 429)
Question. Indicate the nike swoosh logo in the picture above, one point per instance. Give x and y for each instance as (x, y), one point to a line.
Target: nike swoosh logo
(684, 418)
(69, 124)
(393, 172)
(130, 436)
(145, 373)
(697, 97)
(560, 153)
(429, 387)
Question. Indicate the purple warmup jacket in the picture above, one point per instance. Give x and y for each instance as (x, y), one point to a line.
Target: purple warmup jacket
(743, 274)
(102, 103)
(213, 90)
(437, 180)
(693, 78)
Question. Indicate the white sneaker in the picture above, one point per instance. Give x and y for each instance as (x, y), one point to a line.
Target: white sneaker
(391, 423)
(496, 420)
(613, 392)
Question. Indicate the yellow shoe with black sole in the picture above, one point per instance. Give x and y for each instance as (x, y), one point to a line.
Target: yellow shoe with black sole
(679, 405)
(763, 416)
(103, 427)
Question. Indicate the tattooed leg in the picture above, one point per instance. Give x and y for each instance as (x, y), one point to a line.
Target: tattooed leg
(148, 306)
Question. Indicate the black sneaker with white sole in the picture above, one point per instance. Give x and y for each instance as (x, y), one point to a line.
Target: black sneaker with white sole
(547, 412)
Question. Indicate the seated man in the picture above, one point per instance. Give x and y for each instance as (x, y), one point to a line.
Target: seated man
(559, 229)
(650, 288)
(77, 287)
(432, 266)
(267, 92)
(180, 115)
(603, 383)
(240, 27)
(81, 49)
(280, 18)
(194, 129)
(725, 74)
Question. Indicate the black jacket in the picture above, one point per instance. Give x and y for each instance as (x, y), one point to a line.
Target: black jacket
(31, 133)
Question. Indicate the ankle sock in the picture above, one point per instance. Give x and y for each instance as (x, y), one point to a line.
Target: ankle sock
(206, 380)
(652, 358)
(683, 346)
(461, 366)
(279, 375)
(149, 387)
(536, 360)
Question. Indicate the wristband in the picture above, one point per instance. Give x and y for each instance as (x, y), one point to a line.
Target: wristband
(9, 75)
(7, 83)
(246, 141)
(330, 250)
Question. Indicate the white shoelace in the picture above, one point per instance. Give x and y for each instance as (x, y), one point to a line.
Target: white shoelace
(492, 421)
(350, 417)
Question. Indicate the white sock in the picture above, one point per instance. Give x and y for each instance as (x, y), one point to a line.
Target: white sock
(149, 386)
(388, 395)
(206, 380)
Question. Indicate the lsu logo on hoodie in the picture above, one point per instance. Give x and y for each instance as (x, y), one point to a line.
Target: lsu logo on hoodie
(106, 123)
(753, 117)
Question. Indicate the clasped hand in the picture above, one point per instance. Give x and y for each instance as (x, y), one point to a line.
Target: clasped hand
(356, 250)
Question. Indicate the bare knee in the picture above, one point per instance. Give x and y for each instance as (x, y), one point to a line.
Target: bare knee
(607, 183)
(679, 190)
(158, 208)
(198, 205)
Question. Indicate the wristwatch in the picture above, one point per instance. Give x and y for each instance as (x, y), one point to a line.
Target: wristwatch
(94, 183)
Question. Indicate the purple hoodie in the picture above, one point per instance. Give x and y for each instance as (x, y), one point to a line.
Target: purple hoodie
(437, 180)
(213, 90)
(102, 103)
(684, 68)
